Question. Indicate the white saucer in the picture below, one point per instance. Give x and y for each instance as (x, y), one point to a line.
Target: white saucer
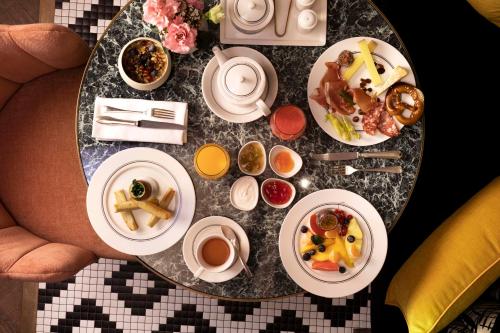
(214, 98)
(205, 225)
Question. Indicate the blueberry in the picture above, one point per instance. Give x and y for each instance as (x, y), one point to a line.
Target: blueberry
(321, 248)
(306, 256)
(304, 229)
(351, 238)
(311, 252)
(316, 239)
(342, 269)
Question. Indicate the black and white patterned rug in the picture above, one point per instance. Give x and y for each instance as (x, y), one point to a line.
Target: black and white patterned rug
(116, 296)
(119, 296)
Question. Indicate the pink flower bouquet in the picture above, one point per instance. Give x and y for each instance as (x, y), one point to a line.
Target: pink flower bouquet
(177, 20)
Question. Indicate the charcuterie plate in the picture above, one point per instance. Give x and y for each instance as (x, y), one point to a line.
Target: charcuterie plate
(384, 54)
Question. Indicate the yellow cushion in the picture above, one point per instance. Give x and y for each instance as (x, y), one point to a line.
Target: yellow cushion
(452, 267)
(490, 9)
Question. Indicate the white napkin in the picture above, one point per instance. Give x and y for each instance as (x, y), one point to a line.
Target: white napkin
(133, 133)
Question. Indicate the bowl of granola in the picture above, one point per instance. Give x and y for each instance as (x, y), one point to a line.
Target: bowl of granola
(144, 64)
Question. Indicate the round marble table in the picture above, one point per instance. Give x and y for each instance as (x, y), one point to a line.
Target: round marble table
(388, 193)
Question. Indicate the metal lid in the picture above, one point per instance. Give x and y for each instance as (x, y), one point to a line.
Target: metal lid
(241, 80)
(251, 10)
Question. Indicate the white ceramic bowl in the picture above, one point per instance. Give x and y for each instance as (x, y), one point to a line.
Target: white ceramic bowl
(297, 160)
(144, 86)
(286, 204)
(252, 203)
(263, 154)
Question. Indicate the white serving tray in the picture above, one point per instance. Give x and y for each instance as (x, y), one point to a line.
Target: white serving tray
(316, 37)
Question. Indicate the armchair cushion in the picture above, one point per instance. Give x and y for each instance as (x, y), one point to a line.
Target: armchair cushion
(5, 218)
(453, 266)
(43, 186)
(25, 256)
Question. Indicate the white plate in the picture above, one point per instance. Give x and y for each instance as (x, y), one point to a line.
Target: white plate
(215, 100)
(205, 225)
(117, 172)
(385, 54)
(334, 284)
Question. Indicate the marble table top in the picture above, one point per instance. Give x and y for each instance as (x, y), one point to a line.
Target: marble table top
(388, 193)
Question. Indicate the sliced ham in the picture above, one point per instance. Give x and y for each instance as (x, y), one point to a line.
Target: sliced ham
(364, 101)
(371, 119)
(387, 125)
(328, 93)
(333, 98)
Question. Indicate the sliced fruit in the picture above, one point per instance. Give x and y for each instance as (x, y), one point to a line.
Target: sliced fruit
(328, 241)
(331, 234)
(307, 247)
(324, 256)
(354, 229)
(340, 249)
(354, 249)
(313, 222)
(325, 266)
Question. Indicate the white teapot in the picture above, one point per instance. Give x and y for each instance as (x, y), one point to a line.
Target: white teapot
(242, 81)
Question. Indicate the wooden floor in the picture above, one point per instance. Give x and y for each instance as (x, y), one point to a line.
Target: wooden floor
(26, 11)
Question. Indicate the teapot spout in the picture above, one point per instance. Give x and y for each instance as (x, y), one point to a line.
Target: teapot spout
(219, 55)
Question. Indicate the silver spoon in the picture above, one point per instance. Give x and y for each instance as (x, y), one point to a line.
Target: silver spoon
(231, 236)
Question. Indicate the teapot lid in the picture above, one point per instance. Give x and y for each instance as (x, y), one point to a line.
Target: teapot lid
(241, 79)
(251, 10)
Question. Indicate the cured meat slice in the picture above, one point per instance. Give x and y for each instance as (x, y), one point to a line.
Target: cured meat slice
(333, 91)
(387, 125)
(332, 75)
(364, 101)
(372, 118)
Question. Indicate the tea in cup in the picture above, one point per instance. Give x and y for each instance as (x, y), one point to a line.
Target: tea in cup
(214, 254)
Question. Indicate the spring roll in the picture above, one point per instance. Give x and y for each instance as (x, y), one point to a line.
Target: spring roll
(127, 215)
(153, 209)
(164, 202)
(129, 205)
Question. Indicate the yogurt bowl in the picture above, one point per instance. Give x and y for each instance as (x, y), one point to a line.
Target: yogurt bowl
(244, 193)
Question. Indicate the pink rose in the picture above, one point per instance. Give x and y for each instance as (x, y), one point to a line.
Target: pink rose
(181, 38)
(160, 12)
(198, 4)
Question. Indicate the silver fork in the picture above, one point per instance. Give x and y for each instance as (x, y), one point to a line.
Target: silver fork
(155, 112)
(347, 170)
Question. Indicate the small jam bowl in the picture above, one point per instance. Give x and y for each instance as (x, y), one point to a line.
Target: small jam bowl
(141, 85)
(286, 204)
(263, 150)
(297, 161)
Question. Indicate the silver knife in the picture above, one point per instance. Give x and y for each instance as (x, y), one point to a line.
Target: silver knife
(139, 123)
(393, 155)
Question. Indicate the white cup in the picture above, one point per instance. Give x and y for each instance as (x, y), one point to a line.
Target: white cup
(307, 20)
(204, 266)
(304, 4)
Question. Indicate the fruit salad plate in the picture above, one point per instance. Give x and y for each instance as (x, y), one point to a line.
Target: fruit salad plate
(333, 259)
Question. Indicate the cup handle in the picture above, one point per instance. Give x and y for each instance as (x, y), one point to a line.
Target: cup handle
(262, 107)
(198, 272)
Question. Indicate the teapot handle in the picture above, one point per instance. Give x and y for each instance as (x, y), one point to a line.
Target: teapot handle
(262, 107)
(219, 55)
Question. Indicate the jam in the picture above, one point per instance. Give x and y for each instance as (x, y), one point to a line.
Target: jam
(284, 161)
(277, 192)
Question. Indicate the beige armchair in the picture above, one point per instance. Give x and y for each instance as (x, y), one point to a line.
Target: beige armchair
(44, 231)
